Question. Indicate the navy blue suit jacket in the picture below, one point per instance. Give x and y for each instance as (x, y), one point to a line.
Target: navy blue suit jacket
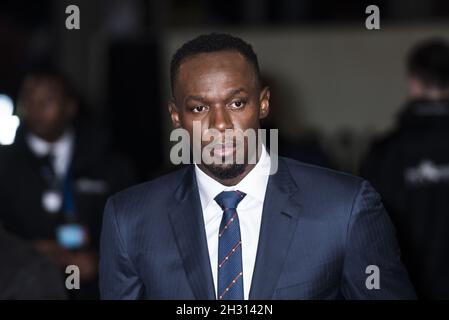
(320, 231)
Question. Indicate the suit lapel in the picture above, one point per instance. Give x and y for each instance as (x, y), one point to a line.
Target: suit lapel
(188, 225)
(279, 220)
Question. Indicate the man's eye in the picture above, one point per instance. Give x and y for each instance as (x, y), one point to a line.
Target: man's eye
(237, 104)
(199, 109)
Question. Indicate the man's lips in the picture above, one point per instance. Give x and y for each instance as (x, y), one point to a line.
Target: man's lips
(223, 150)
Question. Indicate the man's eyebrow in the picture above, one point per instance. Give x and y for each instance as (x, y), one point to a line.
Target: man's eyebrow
(230, 93)
(194, 97)
(233, 92)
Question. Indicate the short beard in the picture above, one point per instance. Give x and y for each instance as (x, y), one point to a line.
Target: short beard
(226, 172)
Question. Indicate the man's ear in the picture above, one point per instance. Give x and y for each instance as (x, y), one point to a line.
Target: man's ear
(264, 103)
(174, 114)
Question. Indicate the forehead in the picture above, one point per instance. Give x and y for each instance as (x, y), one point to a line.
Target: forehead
(43, 85)
(215, 72)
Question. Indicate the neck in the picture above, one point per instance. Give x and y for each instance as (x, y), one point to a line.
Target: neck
(50, 137)
(231, 181)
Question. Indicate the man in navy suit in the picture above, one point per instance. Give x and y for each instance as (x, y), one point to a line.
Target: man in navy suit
(233, 231)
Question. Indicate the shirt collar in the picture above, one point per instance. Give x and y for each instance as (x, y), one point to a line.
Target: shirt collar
(41, 148)
(253, 184)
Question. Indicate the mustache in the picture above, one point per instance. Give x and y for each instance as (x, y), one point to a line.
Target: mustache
(224, 139)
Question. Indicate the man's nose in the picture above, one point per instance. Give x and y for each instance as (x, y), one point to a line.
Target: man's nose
(220, 119)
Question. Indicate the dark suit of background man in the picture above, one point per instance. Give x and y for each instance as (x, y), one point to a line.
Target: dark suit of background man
(232, 231)
(410, 168)
(26, 274)
(56, 177)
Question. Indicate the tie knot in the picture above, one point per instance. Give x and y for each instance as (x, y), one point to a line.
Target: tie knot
(229, 199)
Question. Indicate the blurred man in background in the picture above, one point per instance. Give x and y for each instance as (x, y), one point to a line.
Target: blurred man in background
(55, 178)
(410, 169)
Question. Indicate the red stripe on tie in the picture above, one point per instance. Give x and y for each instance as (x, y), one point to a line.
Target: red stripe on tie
(229, 254)
(230, 285)
(227, 225)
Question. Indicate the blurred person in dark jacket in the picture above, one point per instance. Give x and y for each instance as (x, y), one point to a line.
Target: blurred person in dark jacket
(55, 178)
(25, 273)
(410, 169)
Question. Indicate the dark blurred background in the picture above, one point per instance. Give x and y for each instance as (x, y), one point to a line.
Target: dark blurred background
(335, 86)
(332, 80)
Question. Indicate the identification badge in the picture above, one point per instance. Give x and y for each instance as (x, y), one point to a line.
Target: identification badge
(71, 236)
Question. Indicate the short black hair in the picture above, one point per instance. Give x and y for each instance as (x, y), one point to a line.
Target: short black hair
(429, 62)
(207, 43)
(45, 71)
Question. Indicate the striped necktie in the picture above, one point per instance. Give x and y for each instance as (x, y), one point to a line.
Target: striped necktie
(230, 271)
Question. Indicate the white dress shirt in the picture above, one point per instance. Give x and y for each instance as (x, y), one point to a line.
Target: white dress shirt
(62, 150)
(249, 212)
